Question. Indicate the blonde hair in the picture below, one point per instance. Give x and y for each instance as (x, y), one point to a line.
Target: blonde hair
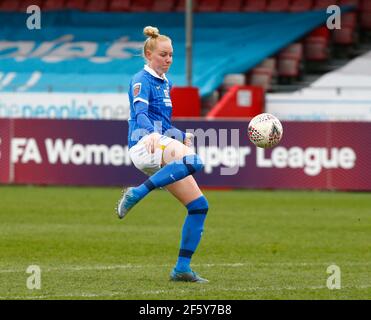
(153, 35)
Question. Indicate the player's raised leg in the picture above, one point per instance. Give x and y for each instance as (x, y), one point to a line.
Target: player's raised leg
(178, 162)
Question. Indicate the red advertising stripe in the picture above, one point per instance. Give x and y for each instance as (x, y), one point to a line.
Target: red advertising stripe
(5, 133)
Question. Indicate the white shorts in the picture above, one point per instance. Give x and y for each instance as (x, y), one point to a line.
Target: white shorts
(146, 162)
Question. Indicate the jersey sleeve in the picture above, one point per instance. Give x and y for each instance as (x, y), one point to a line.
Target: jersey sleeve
(140, 91)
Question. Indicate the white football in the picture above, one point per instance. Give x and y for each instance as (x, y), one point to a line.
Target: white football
(265, 130)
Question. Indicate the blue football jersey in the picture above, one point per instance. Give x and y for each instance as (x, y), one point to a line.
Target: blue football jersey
(149, 94)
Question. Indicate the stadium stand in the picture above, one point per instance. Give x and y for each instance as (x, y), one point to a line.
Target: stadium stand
(119, 5)
(208, 5)
(310, 54)
(76, 4)
(278, 5)
(180, 6)
(10, 5)
(53, 5)
(231, 6)
(254, 6)
(163, 6)
(300, 5)
(141, 5)
(323, 4)
(96, 5)
(26, 3)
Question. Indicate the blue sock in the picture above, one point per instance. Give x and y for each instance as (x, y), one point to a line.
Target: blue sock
(170, 173)
(191, 232)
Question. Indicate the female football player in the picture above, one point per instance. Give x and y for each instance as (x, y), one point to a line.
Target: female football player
(162, 151)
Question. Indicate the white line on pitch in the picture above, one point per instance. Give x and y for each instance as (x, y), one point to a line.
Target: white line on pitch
(157, 292)
(207, 265)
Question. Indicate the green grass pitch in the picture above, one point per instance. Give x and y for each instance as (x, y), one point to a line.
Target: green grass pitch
(256, 245)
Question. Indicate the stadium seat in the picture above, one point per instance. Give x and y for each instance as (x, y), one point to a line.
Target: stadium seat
(180, 7)
(26, 3)
(322, 32)
(141, 5)
(231, 80)
(355, 3)
(9, 5)
(231, 6)
(119, 5)
(96, 5)
(270, 63)
(322, 4)
(343, 36)
(261, 77)
(254, 5)
(349, 20)
(366, 5)
(53, 5)
(208, 5)
(290, 61)
(288, 67)
(366, 20)
(76, 4)
(301, 5)
(316, 49)
(163, 5)
(278, 5)
(295, 50)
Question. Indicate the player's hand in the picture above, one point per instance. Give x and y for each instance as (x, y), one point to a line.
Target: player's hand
(188, 140)
(152, 141)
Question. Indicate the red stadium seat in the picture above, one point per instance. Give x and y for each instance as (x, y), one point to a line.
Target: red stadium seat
(163, 5)
(288, 67)
(208, 5)
(231, 6)
(356, 3)
(180, 7)
(301, 5)
(76, 4)
(141, 5)
(289, 61)
(270, 63)
(322, 4)
(53, 5)
(366, 20)
(9, 5)
(254, 5)
(119, 5)
(294, 50)
(96, 5)
(366, 5)
(316, 49)
(278, 5)
(322, 32)
(26, 3)
(349, 20)
(261, 77)
(343, 36)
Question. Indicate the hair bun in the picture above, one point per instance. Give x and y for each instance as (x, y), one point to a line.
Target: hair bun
(152, 32)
